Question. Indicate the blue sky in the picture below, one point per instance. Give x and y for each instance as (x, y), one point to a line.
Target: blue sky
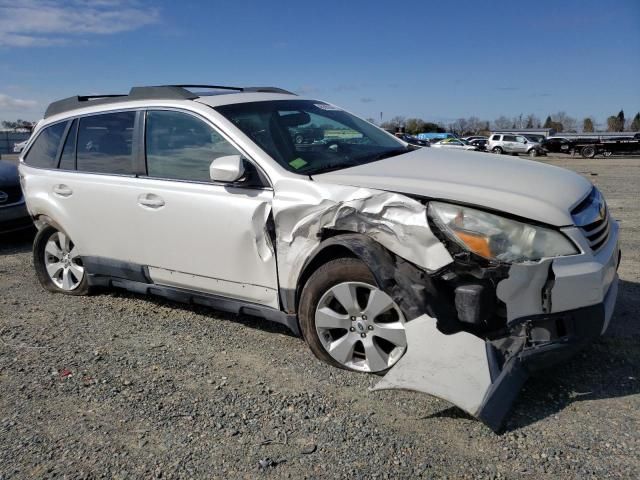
(434, 60)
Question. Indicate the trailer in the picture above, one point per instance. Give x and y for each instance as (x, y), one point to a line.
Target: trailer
(607, 146)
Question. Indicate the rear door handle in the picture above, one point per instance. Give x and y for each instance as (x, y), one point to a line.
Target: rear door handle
(151, 200)
(62, 190)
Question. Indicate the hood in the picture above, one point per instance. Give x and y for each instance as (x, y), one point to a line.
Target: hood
(525, 188)
(8, 174)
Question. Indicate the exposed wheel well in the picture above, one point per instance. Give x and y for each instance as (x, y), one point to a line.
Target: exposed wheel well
(326, 254)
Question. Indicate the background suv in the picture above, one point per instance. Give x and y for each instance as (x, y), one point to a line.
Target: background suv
(511, 143)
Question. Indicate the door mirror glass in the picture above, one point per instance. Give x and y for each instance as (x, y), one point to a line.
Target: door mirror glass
(229, 168)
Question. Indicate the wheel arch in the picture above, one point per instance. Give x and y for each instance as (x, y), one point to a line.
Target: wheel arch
(409, 286)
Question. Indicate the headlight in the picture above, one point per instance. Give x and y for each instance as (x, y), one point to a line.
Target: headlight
(498, 238)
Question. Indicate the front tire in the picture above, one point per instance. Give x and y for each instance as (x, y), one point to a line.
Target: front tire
(347, 321)
(58, 265)
(497, 150)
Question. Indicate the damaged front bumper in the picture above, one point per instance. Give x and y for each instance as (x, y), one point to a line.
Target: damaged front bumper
(553, 308)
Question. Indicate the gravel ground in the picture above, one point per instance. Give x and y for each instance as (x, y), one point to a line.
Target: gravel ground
(122, 386)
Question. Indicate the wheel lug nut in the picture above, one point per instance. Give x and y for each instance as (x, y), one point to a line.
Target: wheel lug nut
(363, 335)
(352, 329)
(364, 317)
(370, 327)
(353, 319)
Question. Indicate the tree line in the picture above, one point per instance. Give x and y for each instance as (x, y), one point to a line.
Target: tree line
(17, 124)
(560, 122)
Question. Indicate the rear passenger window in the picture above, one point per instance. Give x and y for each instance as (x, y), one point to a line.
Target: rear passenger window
(105, 143)
(68, 157)
(44, 151)
(509, 138)
(182, 147)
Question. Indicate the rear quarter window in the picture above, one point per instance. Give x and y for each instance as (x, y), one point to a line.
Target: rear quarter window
(44, 151)
(105, 143)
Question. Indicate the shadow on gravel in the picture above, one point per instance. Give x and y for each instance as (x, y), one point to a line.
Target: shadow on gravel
(610, 368)
(17, 242)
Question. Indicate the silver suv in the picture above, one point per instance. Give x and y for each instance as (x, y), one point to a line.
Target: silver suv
(513, 143)
(449, 275)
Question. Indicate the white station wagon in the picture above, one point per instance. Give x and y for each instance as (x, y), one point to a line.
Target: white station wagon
(452, 273)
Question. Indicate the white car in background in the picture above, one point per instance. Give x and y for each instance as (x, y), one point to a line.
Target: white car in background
(454, 143)
(18, 147)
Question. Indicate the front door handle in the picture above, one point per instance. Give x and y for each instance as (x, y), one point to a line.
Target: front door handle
(62, 190)
(151, 200)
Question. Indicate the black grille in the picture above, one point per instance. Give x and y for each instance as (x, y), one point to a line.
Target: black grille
(14, 194)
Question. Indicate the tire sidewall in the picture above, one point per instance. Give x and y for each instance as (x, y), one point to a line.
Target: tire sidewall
(327, 276)
(39, 244)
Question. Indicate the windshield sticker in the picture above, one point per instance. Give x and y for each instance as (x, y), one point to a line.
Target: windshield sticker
(324, 106)
(298, 163)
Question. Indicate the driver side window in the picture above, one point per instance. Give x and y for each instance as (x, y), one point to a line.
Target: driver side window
(181, 147)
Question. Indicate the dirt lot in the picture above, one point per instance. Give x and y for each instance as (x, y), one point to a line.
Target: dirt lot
(117, 385)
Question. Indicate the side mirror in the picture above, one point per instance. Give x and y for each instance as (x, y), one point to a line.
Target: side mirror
(229, 168)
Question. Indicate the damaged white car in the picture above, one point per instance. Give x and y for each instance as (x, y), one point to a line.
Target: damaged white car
(453, 275)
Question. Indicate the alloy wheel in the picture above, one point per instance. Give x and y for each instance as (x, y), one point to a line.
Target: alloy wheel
(361, 327)
(62, 262)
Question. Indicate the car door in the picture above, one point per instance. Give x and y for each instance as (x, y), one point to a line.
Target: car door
(88, 195)
(196, 234)
(521, 144)
(508, 143)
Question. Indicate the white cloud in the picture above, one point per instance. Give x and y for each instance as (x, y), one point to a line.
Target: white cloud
(30, 23)
(10, 103)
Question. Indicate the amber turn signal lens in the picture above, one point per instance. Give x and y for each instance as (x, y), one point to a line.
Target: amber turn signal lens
(476, 243)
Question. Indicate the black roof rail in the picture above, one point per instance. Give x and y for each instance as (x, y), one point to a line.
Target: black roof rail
(165, 92)
(239, 89)
(79, 101)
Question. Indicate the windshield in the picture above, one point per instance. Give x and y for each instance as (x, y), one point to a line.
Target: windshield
(311, 137)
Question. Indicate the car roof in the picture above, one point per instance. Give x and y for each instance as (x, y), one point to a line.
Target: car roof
(212, 95)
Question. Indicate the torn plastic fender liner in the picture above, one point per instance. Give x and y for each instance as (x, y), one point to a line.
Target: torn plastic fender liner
(409, 286)
(452, 367)
(460, 368)
(465, 369)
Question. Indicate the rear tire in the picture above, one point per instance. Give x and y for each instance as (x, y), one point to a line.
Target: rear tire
(533, 153)
(588, 152)
(58, 265)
